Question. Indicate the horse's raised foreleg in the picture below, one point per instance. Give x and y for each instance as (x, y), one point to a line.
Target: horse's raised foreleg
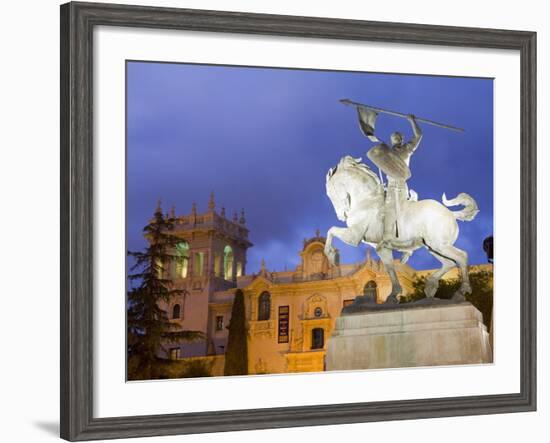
(386, 256)
(351, 236)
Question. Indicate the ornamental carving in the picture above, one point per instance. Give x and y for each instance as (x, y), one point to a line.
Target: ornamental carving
(316, 306)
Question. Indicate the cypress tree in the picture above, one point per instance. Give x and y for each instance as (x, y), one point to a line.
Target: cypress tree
(236, 355)
(148, 326)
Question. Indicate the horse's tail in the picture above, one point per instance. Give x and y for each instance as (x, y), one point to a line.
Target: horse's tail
(470, 206)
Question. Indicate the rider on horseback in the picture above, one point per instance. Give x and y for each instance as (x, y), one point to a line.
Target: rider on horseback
(394, 162)
(391, 218)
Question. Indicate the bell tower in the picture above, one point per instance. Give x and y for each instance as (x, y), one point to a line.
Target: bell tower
(210, 257)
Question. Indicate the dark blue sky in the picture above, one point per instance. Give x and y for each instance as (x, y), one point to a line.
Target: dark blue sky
(263, 139)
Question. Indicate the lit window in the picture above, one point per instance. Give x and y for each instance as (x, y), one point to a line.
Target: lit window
(228, 263)
(239, 269)
(317, 338)
(175, 353)
(176, 311)
(217, 265)
(159, 268)
(219, 322)
(198, 264)
(264, 306)
(182, 259)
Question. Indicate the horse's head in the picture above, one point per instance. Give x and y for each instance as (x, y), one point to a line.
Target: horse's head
(350, 182)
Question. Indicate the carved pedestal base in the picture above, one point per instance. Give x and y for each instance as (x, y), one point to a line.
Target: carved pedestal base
(414, 336)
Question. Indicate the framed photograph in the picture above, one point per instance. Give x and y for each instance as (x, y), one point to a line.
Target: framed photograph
(273, 221)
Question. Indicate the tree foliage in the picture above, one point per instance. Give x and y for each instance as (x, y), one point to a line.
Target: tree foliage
(197, 368)
(148, 326)
(481, 296)
(184, 368)
(236, 355)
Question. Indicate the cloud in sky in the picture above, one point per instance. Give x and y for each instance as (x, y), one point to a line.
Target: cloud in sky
(263, 139)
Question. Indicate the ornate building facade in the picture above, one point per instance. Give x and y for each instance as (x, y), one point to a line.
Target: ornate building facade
(290, 314)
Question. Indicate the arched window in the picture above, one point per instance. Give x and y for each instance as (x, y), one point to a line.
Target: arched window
(182, 259)
(264, 306)
(371, 290)
(228, 263)
(317, 338)
(176, 311)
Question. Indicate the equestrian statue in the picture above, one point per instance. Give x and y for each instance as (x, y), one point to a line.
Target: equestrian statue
(389, 215)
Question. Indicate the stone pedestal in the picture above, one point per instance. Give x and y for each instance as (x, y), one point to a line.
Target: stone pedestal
(450, 334)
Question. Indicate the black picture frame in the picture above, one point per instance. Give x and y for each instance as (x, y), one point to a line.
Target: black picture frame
(77, 23)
